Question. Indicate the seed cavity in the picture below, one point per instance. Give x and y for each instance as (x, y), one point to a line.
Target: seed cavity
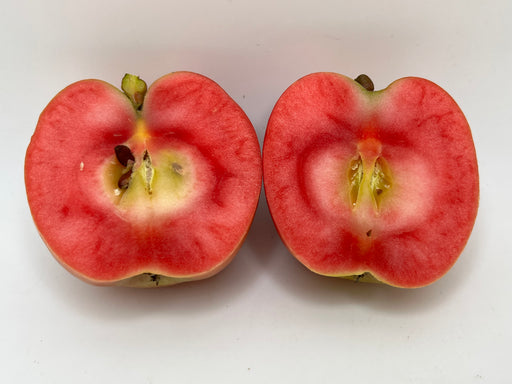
(126, 158)
(148, 171)
(380, 181)
(355, 177)
(377, 178)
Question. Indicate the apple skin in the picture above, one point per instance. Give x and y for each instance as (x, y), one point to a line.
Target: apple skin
(373, 186)
(191, 194)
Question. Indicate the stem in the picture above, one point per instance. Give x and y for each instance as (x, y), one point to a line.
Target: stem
(135, 89)
(365, 81)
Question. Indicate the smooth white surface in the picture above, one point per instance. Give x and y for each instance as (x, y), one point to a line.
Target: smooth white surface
(265, 319)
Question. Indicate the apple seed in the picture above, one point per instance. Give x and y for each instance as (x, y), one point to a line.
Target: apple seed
(125, 157)
(124, 180)
(123, 154)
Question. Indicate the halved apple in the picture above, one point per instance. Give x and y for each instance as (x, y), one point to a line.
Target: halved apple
(373, 186)
(143, 189)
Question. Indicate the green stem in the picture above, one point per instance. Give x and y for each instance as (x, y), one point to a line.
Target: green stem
(135, 89)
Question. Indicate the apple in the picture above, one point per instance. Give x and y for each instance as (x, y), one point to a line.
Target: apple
(371, 185)
(145, 187)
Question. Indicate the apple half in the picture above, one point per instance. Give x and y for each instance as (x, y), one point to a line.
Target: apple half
(370, 185)
(145, 187)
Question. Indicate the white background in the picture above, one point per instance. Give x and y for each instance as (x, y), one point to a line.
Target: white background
(264, 319)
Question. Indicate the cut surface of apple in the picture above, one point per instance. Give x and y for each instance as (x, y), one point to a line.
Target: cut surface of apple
(146, 187)
(371, 185)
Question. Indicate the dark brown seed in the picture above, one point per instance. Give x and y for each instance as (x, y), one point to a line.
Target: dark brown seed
(124, 154)
(124, 180)
(369, 233)
(366, 82)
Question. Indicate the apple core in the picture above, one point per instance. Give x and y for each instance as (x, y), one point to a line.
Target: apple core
(369, 175)
(150, 184)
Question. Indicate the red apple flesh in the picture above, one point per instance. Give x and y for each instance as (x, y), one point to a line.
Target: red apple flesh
(374, 186)
(143, 191)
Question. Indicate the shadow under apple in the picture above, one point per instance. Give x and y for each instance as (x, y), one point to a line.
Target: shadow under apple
(302, 284)
(263, 238)
(113, 303)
